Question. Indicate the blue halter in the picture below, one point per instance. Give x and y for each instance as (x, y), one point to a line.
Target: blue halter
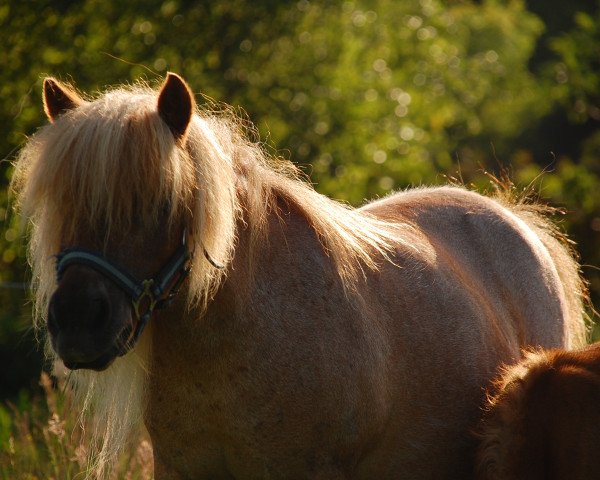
(147, 295)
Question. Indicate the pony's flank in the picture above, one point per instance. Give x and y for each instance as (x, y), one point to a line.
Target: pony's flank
(563, 254)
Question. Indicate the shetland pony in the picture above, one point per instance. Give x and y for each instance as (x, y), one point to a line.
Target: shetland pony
(543, 422)
(309, 339)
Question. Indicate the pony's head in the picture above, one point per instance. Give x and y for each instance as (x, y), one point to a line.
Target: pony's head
(118, 195)
(117, 199)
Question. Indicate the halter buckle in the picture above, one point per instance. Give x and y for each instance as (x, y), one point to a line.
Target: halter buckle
(148, 293)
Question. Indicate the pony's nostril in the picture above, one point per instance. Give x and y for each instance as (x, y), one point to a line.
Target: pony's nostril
(99, 312)
(52, 320)
(79, 313)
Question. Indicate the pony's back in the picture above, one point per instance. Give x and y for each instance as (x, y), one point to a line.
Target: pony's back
(544, 421)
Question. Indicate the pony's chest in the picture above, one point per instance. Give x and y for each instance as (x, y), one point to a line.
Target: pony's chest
(239, 419)
(185, 426)
(210, 441)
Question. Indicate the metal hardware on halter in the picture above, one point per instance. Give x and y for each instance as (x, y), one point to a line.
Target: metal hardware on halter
(142, 319)
(214, 263)
(156, 292)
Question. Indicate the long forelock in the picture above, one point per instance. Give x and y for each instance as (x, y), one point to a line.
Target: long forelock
(99, 169)
(105, 164)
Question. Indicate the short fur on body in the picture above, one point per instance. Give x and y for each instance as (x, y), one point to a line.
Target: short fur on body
(336, 343)
(543, 421)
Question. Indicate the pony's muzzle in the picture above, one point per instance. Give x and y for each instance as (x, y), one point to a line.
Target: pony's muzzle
(59, 320)
(86, 320)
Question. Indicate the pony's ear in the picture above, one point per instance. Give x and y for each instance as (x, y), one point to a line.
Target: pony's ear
(58, 98)
(176, 104)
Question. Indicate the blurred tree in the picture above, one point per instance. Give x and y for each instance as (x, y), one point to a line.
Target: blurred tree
(367, 95)
(396, 90)
(567, 140)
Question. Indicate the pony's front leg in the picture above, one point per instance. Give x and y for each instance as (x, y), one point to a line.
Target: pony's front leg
(163, 472)
(166, 468)
(166, 471)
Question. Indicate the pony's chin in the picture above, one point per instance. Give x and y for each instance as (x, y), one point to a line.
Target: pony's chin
(102, 361)
(100, 364)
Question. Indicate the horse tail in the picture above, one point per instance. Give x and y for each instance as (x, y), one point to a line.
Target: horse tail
(562, 253)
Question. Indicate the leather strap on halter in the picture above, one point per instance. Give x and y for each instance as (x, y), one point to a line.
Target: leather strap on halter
(153, 293)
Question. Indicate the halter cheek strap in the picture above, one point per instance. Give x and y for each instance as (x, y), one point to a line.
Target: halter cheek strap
(153, 293)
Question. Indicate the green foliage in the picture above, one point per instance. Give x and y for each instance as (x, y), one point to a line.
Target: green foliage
(386, 103)
(577, 71)
(41, 438)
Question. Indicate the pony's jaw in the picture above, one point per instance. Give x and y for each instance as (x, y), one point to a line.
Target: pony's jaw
(89, 320)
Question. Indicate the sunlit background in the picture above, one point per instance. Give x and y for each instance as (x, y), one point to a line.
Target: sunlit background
(367, 96)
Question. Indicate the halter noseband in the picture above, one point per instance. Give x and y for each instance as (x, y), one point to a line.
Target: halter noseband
(153, 293)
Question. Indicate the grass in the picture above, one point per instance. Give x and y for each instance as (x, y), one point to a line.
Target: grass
(41, 437)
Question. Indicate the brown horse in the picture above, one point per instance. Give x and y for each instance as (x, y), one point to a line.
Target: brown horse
(543, 422)
(310, 340)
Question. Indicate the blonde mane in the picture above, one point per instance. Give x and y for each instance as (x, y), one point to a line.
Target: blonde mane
(112, 160)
